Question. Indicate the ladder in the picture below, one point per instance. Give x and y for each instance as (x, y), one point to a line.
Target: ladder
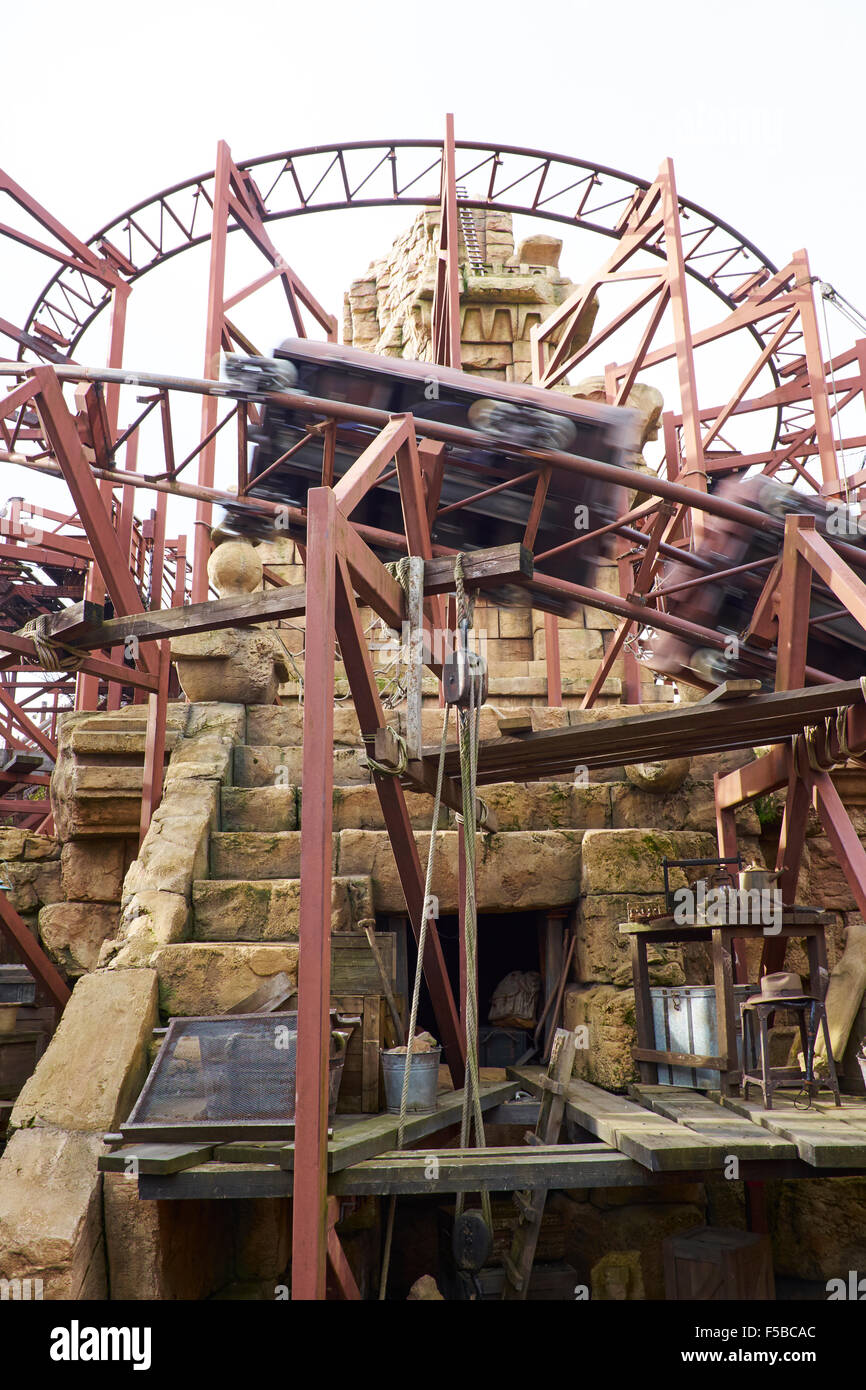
(531, 1201)
(470, 235)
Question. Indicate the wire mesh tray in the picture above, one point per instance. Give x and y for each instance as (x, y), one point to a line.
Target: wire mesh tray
(223, 1076)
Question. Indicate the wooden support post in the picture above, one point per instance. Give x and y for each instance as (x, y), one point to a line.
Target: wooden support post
(309, 1208)
(723, 979)
(552, 660)
(415, 678)
(554, 937)
(726, 834)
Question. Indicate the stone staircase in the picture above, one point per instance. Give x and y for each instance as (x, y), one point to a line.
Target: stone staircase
(244, 898)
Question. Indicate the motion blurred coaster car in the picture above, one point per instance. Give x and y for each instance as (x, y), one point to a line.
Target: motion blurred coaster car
(505, 417)
(837, 645)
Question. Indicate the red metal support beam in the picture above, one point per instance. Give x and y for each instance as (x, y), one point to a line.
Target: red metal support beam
(339, 1265)
(840, 832)
(815, 368)
(795, 589)
(446, 291)
(214, 328)
(31, 953)
(309, 1206)
(113, 563)
(33, 732)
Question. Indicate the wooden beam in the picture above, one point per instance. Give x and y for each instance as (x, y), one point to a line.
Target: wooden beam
(483, 569)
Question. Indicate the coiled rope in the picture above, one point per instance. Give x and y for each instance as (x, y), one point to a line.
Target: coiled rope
(51, 654)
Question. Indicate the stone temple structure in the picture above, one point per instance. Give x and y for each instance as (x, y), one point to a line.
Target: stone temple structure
(206, 909)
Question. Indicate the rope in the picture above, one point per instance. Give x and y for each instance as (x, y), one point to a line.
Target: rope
(469, 731)
(402, 758)
(399, 570)
(469, 726)
(422, 935)
(416, 995)
(51, 655)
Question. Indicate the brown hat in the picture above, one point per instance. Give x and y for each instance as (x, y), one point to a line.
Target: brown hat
(781, 985)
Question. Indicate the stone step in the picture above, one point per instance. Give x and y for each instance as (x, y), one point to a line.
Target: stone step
(597, 805)
(279, 808)
(210, 977)
(252, 855)
(89, 744)
(238, 910)
(517, 870)
(282, 726)
(204, 977)
(261, 808)
(266, 765)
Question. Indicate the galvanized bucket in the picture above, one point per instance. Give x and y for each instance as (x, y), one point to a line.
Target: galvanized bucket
(423, 1081)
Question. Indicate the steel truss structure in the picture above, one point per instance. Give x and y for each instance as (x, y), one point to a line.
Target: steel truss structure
(76, 423)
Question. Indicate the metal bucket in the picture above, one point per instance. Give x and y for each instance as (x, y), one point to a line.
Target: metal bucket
(423, 1081)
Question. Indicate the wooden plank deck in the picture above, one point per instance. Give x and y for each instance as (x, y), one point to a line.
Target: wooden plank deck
(353, 1143)
(493, 1170)
(741, 1137)
(671, 1130)
(659, 1144)
(821, 1140)
(353, 1139)
(411, 1173)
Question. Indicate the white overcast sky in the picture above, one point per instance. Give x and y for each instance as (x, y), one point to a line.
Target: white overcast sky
(760, 104)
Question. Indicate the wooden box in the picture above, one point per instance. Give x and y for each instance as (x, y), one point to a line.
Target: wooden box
(360, 1087)
(353, 966)
(356, 990)
(712, 1264)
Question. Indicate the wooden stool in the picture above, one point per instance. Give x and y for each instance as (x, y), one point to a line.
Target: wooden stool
(757, 1071)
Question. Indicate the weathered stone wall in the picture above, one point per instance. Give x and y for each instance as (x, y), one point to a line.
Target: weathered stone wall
(30, 867)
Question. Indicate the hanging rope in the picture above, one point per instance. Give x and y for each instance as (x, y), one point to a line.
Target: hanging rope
(469, 725)
(416, 996)
(422, 935)
(399, 570)
(51, 655)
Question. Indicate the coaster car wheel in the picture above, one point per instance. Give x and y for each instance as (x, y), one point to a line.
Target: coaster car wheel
(519, 424)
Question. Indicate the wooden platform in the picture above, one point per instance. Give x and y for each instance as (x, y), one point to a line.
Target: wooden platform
(659, 1133)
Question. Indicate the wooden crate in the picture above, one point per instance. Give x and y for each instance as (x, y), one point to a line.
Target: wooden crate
(353, 967)
(360, 1087)
(356, 990)
(712, 1264)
